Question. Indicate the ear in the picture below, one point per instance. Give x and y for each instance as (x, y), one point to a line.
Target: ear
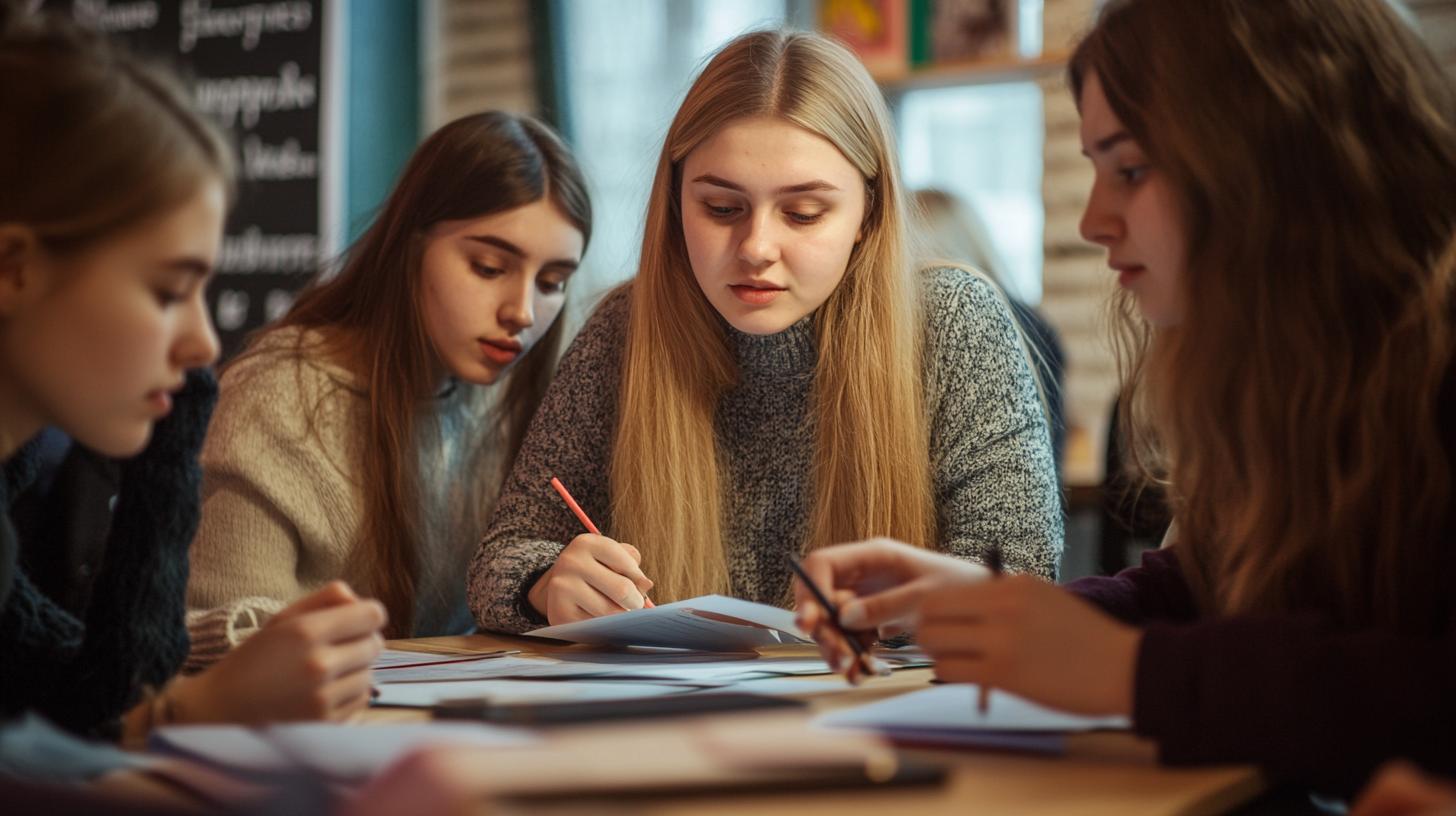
(20, 266)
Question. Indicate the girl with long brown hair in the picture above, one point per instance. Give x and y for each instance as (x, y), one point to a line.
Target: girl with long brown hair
(1274, 188)
(777, 377)
(356, 439)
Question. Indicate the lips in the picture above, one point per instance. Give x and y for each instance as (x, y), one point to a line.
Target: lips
(1127, 273)
(500, 352)
(756, 294)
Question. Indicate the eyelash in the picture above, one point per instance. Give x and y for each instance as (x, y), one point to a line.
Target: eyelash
(545, 287)
(1132, 175)
(801, 219)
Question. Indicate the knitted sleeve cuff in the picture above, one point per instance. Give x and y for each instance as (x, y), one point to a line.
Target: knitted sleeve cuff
(216, 631)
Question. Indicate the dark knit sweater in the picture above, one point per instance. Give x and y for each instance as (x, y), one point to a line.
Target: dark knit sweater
(84, 666)
(1313, 702)
(991, 460)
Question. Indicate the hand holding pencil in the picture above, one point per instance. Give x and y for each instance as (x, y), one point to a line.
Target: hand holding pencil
(594, 576)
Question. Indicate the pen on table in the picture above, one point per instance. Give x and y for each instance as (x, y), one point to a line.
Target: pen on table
(866, 660)
(587, 523)
(993, 563)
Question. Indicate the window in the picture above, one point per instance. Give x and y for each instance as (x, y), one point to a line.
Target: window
(983, 143)
(626, 66)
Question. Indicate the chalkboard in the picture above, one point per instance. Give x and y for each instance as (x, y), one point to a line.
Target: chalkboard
(259, 70)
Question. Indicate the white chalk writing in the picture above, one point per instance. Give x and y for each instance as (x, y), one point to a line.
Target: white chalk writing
(200, 21)
(246, 98)
(102, 16)
(255, 252)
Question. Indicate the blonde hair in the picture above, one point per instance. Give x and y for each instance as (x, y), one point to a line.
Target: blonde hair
(871, 462)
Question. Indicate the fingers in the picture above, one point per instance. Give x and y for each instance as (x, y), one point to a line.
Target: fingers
(331, 594)
(353, 656)
(347, 695)
(623, 560)
(892, 606)
(341, 623)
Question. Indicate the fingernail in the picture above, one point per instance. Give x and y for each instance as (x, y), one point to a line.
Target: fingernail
(852, 615)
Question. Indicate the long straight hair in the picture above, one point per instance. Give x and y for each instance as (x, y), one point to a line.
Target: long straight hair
(370, 313)
(1293, 411)
(871, 467)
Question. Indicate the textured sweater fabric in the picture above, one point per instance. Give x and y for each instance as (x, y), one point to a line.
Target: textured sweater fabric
(283, 504)
(994, 477)
(83, 670)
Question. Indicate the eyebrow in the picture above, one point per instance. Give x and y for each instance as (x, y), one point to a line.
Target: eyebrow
(191, 266)
(1106, 143)
(817, 185)
(508, 247)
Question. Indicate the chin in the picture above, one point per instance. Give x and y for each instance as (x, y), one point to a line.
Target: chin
(762, 323)
(118, 443)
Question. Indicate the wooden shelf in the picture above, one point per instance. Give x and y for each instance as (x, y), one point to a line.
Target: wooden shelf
(978, 72)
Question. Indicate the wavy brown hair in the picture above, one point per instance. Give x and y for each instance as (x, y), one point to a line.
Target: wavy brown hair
(1293, 411)
(369, 312)
(871, 467)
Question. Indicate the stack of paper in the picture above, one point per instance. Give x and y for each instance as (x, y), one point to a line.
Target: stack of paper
(336, 751)
(711, 623)
(949, 715)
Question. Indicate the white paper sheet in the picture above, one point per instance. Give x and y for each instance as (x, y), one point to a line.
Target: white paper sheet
(339, 751)
(615, 667)
(953, 708)
(711, 622)
(515, 691)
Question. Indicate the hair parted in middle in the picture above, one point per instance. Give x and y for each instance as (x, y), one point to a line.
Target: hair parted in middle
(871, 470)
(475, 166)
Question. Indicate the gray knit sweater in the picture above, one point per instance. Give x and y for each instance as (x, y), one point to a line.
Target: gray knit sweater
(995, 480)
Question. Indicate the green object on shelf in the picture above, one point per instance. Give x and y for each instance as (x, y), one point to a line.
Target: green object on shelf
(921, 13)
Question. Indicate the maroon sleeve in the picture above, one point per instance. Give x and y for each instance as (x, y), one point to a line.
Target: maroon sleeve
(1153, 591)
(1306, 700)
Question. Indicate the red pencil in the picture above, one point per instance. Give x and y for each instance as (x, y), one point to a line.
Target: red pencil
(585, 520)
(575, 508)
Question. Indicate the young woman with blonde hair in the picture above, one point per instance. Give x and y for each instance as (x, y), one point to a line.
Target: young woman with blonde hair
(777, 377)
(355, 439)
(1273, 184)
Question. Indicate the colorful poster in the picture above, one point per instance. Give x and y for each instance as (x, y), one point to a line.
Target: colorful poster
(877, 31)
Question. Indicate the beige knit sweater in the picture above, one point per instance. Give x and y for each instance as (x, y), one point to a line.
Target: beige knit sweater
(282, 504)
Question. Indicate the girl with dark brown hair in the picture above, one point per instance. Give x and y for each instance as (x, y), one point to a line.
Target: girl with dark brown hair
(356, 439)
(1276, 187)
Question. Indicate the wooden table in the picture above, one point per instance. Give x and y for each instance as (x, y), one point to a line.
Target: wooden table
(1100, 774)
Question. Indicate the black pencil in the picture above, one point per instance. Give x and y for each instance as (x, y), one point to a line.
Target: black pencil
(823, 600)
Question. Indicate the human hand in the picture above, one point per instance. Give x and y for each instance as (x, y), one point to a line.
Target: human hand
(878, 585)
(1033, 639)
(1400, 789)
(311, 661)
(439, 780)
(593, 576)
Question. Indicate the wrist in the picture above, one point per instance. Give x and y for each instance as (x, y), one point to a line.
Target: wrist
(537, 595)
(1122, 688)
(186, 699)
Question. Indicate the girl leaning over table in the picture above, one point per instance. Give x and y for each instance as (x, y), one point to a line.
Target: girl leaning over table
(362, 437)
(778, 376)
(1273, 184)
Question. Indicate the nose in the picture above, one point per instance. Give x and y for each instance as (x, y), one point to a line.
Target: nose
(517, 310)
(760, 246)
(196, 345)
(1101, 223)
